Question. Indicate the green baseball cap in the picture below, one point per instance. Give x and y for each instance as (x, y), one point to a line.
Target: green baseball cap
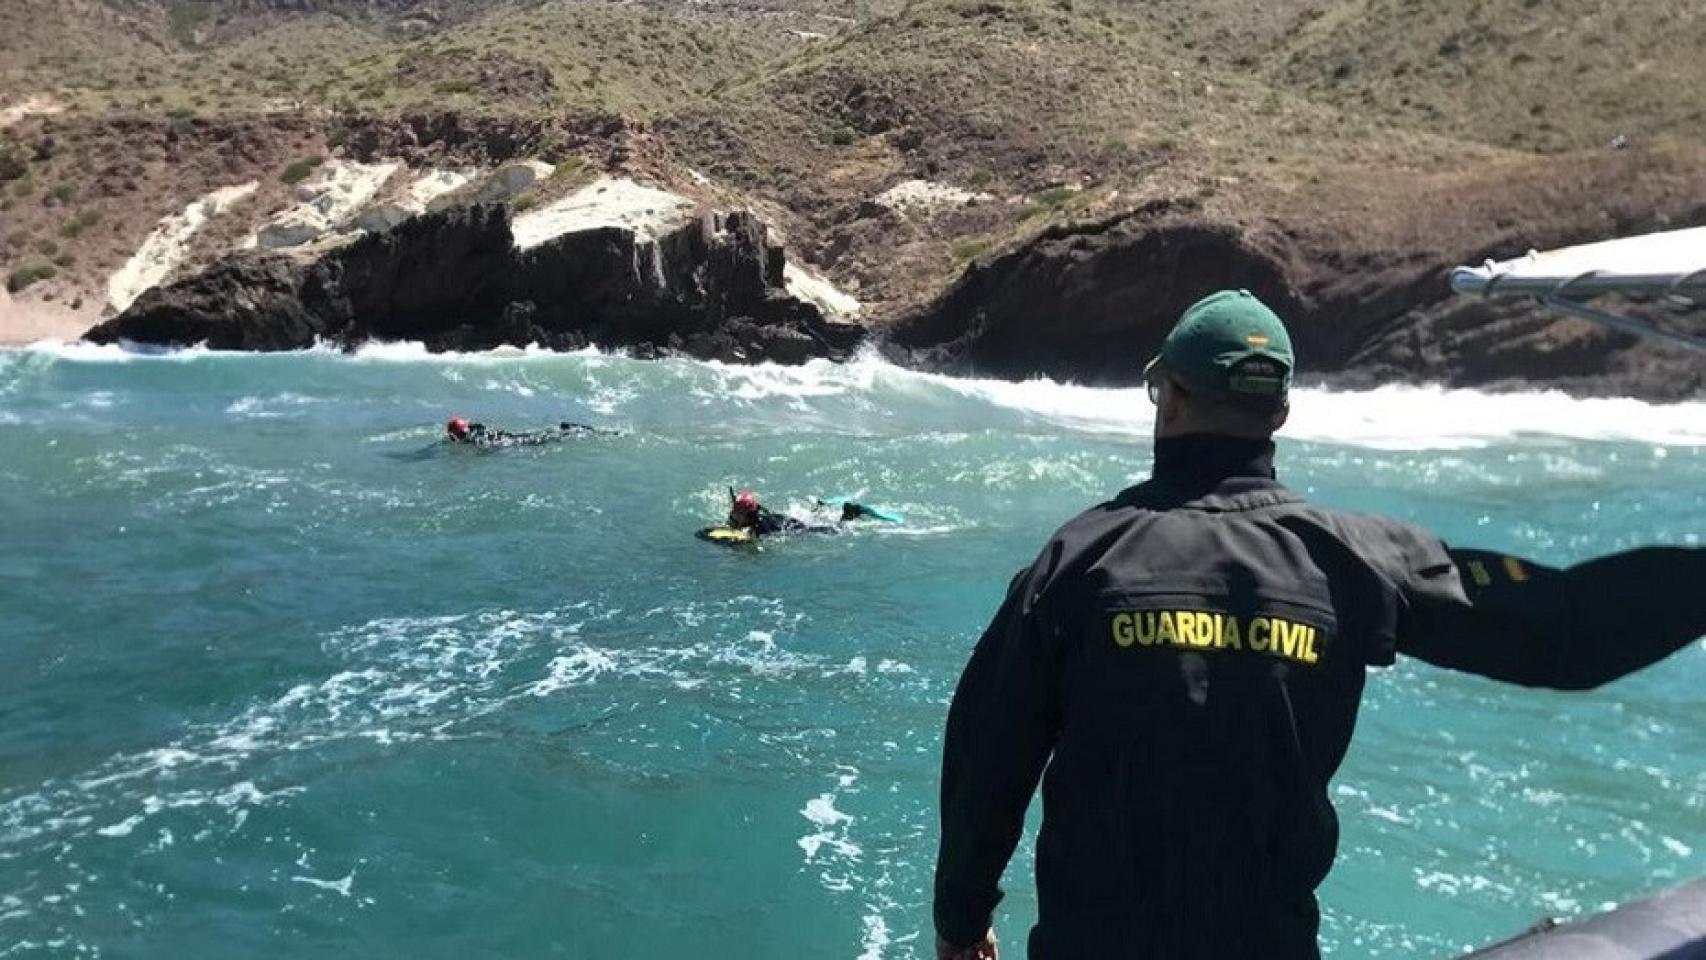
(1229, 343)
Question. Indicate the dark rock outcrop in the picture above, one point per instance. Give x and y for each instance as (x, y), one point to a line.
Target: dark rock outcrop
(1090, 303)
(711, 288)
(240, 303)
(418, 280)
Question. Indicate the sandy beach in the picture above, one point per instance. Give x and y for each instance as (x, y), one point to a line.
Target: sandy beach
(29, 320)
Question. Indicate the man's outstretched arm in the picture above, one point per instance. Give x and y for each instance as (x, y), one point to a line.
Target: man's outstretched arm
(1001, 729)
(1571, 629)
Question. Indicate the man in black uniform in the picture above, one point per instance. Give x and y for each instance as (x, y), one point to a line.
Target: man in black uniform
(1187, 661)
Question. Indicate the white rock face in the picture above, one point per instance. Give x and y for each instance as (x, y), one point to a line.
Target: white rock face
(433, 184)
(332, 197)
(292, 228)
(169, 244)
(510, 180)
(926, 197)
(606, 202)
(835, 303)
(382, 216)
(39, 105)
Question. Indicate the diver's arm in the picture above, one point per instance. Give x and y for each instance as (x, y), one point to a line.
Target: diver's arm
(1570, 629)
(1001, 729)
(570, 427)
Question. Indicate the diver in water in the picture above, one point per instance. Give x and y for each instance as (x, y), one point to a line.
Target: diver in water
(474, 433)
(747, 513)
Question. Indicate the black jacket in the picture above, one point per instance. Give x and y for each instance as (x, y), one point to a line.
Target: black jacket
(1191, 656)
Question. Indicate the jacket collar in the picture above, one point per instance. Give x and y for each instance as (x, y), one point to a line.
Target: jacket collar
(1204, 460)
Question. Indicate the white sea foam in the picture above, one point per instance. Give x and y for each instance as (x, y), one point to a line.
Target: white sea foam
(876, 937)
(1386, 418)
(831, 836)
(821, 811)
(413, 351)
(79, 351)
(268, 408)
(340, 886)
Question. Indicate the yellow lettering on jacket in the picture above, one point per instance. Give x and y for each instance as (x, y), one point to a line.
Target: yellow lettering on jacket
(1124, 632)
(1232, 640)
(1204, 630)
(1259, 634)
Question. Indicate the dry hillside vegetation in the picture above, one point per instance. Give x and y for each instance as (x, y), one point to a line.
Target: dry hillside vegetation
(1372, 119)
(1532, 74)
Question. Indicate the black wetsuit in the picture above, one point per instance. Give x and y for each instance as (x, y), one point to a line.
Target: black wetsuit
(1187, 660)
(481, 435)
(770, 523)
(851, 511)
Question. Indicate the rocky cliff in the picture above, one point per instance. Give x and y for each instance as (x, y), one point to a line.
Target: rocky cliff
(711, 287)
(1013, 187)
(1091, 302)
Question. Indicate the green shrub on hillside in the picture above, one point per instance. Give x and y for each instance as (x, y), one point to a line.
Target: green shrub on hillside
(572, 174)
(1055, 197)
(969, 249)
(185, 17)
(299, 171)
(23, 277)
(82, 221)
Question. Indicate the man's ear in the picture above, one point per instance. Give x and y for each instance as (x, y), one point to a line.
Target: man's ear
(1282, 414)
(1174, 399)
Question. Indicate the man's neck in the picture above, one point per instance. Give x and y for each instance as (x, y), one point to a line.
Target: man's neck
(1195, 458)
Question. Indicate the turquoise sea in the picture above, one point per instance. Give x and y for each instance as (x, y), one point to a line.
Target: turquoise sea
(281, 676)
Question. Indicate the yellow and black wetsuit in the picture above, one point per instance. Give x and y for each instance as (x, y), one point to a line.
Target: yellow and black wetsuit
(1187, 662)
